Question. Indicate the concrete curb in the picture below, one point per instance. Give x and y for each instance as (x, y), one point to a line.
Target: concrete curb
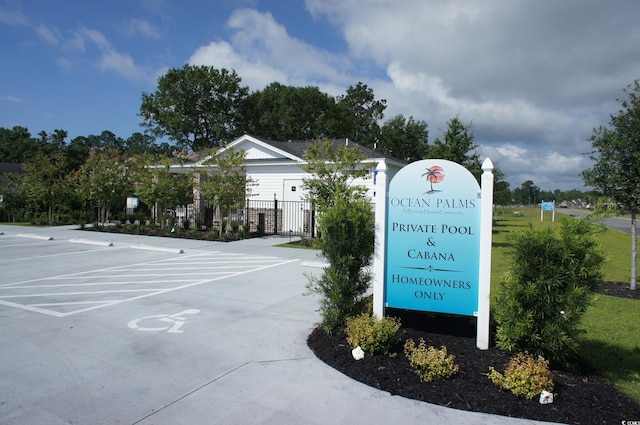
(91, 242)
(158, 248)
(33, 236)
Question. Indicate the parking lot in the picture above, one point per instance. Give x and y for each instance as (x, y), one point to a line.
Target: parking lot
(102, 328)
(82, 285)
(107, 328)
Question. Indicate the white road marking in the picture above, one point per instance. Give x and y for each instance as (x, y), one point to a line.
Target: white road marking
(89, 290)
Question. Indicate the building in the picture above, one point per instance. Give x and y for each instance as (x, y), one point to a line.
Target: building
(276, 169)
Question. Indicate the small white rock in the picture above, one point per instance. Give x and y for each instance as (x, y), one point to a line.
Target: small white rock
(546, 397)
(357, 353)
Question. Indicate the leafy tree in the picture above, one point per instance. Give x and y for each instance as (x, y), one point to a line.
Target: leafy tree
(155, 184)
(405, 139)
(195, 106)
(363, 114)
(16, 145)
(103, 181)
(46, 179)
(346, 223)
(458, 146)
(616, 156)
(333, 168)
(528, 193)
(501, 192)
(227, 186)
(140, 144)
(280, 112)
(14, 197)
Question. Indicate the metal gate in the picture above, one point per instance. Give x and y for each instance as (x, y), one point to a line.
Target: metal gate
(289, 218)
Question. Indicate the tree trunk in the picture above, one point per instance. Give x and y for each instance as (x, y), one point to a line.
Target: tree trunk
(634, 252)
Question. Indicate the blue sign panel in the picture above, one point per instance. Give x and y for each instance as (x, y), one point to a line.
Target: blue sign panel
(548, 206)
(433, 238)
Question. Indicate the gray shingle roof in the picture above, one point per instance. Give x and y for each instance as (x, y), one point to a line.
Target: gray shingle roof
(299, 148)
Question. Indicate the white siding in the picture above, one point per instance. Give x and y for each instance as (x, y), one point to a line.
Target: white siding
(258, 152)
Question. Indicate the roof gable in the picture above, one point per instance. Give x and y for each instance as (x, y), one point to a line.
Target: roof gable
(264, 150)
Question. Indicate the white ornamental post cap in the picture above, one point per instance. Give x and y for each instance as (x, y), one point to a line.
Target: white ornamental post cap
(487, 165)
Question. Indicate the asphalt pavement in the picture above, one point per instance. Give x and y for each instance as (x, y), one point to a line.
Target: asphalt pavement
(102, 328)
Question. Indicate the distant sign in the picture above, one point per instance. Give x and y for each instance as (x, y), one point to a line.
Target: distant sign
(433, 238)
(132, 202)
(548, 206)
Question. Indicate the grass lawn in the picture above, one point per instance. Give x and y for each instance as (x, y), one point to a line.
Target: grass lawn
(611, 341)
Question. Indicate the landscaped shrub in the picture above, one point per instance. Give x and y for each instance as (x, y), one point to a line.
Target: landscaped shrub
(524, 376)
(550, 283)
(347, 243)
(213, 234)
(373, 335)
(429, 362)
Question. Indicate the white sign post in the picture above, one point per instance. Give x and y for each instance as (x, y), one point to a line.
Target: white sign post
(486, 230)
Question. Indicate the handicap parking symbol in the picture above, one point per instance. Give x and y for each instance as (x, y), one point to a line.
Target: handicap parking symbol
(170, 323)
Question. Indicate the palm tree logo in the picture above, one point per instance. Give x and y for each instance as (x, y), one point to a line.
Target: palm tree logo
(434, 175)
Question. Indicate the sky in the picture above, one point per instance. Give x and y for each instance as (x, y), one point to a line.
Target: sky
(532, 78)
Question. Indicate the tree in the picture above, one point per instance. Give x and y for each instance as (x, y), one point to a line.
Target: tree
(458, 146)
(103, 182)
(346, 223)
(195, 106)
(501, 193)
(280, 112)
(45, 178)
(139, 143)
(616, 156)
(157, 186)
(16, 145)
(333, 168)
(405, 139)
(363, 114)
(528, 193)
(227, 186)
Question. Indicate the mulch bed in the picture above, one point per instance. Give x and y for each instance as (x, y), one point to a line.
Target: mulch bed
(580, 396)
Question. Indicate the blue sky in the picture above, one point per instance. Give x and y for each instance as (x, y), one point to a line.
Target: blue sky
(532, 77)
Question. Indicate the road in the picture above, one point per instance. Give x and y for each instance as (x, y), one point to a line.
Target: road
(616, 223)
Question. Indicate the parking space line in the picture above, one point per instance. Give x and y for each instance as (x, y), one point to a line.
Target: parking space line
(87, 290)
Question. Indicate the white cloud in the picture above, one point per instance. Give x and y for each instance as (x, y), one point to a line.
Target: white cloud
(133, 27)
(109, 59)
(49, 35)
(12, 99)
(261, 51)
(222, 55)
(12, 17)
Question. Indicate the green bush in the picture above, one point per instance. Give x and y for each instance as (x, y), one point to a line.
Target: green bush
(549, 286)
(347, 243)
(430, 363)
(213, 234)
(524, 376)
(373, 335)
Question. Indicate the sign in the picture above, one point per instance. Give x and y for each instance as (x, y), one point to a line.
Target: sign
(132, 202)
(433, 238)
(548, 206)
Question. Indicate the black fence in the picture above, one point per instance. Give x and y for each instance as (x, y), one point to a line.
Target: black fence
(289, 218)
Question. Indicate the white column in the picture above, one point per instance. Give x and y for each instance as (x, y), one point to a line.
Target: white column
(486, 229)
(380, 187)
